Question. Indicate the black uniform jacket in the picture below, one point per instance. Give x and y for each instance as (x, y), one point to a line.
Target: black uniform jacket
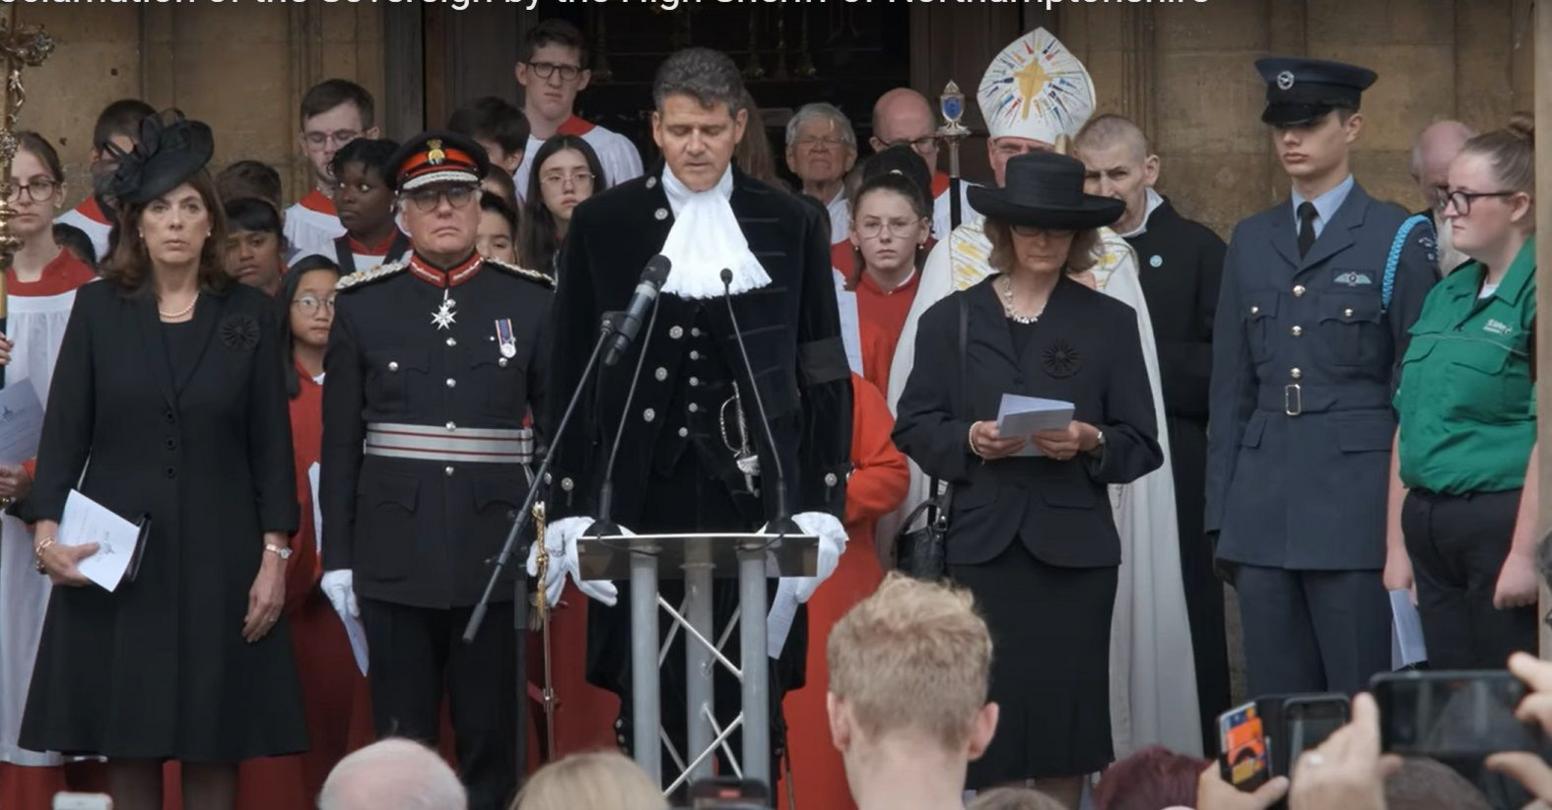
(423, 532)
(791, 328)
(1090, 355)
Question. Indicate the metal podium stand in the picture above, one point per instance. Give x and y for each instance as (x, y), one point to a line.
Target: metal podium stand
(752, 558)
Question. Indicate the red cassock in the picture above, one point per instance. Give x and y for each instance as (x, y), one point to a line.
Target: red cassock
(880, 314)
(876, 487)
(334, 692)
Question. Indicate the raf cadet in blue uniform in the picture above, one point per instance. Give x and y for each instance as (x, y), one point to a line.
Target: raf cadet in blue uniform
(432, 365)
(1310, 329)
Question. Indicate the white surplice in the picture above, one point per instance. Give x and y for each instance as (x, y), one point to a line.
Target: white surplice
(1152, 670)
(37, 325)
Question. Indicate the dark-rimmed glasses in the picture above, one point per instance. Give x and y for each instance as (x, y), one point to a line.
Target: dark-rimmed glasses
(922, 145)
(39, 189)
(340, 137)
(427, 199)
(545, 70)
(1462, 200)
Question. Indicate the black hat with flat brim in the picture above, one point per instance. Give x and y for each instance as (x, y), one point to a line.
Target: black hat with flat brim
(1300, 91)
(1045, 190)
(171, 149)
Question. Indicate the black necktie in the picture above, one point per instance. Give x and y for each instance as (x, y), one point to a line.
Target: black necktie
(1306, 227)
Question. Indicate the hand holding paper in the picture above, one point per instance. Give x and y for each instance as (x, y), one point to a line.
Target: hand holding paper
(87, 523)
(1021, 416)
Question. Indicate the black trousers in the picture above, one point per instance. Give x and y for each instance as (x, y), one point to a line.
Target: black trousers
(1458, 544)
(1313, 631)
(1204, 590)
(416, 655)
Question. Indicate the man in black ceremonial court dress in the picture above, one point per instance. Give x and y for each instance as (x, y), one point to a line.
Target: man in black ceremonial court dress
(432, 365)
(693, 456)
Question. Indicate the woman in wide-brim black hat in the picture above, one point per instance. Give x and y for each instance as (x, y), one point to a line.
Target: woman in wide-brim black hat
(1033, 536)
(169, 393)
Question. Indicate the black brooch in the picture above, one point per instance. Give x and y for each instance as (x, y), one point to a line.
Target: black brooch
(1061, 360)
(240, 332)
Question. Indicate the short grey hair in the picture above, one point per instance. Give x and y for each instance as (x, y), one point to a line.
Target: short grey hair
(708, 76)
(393, 774)
(817, 110)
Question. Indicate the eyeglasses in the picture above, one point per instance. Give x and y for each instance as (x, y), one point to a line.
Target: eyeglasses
(310, 304)
(340, 137)
(923, 145)
(872, 229)
(545, 70)
(578, 178)
(1462, 200)
(39, 190)
(826, 141)
(427, 199)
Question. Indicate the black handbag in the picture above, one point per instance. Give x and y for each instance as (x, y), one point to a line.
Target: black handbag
(921, 552)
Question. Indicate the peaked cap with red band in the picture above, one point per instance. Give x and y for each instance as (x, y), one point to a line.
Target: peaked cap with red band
(438, 157)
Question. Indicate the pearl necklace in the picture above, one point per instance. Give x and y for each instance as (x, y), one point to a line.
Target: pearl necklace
(181, 314)
(1005, 290)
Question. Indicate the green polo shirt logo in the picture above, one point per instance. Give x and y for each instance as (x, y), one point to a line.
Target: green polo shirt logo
(1467, 401)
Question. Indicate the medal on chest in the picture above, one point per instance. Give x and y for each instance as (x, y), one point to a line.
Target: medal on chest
(444, 317)
(506, 341)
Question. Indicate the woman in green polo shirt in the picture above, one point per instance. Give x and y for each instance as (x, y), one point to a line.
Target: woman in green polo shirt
(1465, 448)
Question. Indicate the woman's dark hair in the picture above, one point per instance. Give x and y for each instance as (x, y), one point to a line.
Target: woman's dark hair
(250, 178)
(129, 265)
(373, 153)
(288, 288)
(899, 184)
(77, 242)
(1082, 255)
(29, 141)
(537, 242)
(499, 207)
(252, 214)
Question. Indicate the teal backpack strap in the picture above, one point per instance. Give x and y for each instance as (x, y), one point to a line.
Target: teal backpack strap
(1388, 285)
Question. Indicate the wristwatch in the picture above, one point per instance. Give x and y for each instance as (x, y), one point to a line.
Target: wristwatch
(1099, 447)
(282, 552)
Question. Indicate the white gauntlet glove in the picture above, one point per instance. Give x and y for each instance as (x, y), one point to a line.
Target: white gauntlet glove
(832, 544)
(339, 587)
(560, 540)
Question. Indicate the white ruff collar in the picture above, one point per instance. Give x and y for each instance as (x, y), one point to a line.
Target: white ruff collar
(704, 240)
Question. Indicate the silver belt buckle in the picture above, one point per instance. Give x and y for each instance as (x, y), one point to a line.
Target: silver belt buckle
(1293, 399)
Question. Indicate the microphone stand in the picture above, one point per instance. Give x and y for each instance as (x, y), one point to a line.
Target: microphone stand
(604, 524)
(754, 657)
(606, 330)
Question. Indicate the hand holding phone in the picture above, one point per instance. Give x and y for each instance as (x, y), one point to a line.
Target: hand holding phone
(1453, 715)
(1242, 740)
(1347, 770)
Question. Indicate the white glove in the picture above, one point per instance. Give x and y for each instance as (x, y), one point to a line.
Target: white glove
(560, 540)
(340, 587)
(832, 544)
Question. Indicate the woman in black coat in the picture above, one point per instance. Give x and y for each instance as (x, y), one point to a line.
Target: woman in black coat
(1033, 537)
(170, 393)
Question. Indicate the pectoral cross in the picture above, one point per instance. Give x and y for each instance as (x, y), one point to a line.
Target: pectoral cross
(444, 317)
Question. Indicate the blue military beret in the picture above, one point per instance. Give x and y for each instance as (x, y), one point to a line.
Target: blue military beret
(1299, 91)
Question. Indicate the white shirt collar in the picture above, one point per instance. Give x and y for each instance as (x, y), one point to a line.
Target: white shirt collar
(706, 239)
(1154, 201)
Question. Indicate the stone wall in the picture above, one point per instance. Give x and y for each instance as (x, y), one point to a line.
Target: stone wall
(1185, 71)
(242, 68)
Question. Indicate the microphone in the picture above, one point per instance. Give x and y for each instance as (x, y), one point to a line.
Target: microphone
(783, 523)
(652, 280)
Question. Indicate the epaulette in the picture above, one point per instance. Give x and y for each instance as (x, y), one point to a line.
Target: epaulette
(361, 277)
(523, 272)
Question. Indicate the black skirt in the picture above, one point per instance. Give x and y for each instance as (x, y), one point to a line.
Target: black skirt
(1050, 666)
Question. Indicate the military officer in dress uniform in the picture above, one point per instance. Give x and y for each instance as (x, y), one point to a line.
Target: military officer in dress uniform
(1310, 328)
(693, 456)
(432, 365)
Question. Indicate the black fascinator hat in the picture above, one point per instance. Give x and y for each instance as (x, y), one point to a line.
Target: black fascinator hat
(169, 151)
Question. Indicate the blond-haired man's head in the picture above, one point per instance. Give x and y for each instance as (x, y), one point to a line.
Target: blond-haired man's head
(910, 665)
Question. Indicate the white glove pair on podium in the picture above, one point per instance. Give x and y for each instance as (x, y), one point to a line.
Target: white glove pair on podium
(560, 539)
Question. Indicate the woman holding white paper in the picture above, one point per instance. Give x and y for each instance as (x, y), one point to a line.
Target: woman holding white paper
(170, 380)
(1033, 537)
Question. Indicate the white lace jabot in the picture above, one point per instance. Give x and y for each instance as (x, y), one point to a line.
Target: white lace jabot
(705, 239)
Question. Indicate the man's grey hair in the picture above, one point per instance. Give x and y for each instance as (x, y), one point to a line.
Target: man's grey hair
(708, 76)
(394, 774)
(820, 110)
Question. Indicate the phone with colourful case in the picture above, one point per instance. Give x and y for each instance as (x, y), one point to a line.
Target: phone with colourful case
(1242, 739)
